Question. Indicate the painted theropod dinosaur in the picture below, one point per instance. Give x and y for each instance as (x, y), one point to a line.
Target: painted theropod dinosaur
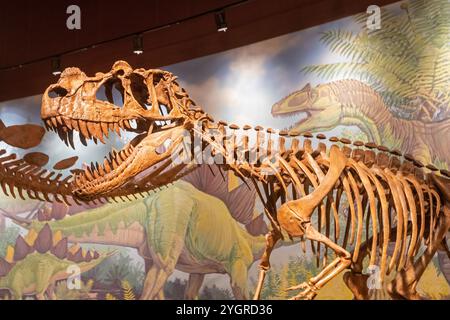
(196, 233)
(391, 198)
(38, 261)
(353, 103)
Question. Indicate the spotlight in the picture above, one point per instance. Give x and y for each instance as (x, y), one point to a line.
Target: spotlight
(56, 66)
(221, 22)
(138, 44)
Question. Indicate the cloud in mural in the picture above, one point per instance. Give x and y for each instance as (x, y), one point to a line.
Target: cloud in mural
(241, 90)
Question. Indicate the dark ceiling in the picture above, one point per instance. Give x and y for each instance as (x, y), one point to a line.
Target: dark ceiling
(31, 32)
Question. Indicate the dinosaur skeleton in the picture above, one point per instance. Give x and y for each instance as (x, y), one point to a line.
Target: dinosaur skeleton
(391, 198)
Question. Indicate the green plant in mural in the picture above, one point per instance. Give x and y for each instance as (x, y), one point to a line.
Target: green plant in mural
(175, 289)
(117, 269)
(407, 60)
(8, 237)
(63, 292)
(295, 271)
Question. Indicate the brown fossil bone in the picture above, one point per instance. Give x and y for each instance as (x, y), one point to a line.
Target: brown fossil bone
(38, 159)
(23, 136)
(65, 163)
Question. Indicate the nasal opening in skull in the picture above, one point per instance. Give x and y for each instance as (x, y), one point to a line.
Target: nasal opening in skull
(57, 92)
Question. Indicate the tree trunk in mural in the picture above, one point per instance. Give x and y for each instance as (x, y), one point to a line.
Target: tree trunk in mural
(2, 223)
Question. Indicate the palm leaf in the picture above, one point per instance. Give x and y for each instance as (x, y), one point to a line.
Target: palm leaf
(407, 59)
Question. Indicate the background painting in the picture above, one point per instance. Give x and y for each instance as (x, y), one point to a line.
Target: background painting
(390, 86)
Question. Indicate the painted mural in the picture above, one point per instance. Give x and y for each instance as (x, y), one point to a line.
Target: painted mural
(389, 86)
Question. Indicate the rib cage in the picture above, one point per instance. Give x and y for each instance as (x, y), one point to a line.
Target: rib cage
(380, 199)
(388, 198)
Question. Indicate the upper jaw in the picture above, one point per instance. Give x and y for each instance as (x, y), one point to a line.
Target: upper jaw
(284, 113)
(95, 127)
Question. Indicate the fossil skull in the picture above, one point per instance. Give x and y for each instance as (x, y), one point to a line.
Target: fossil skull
(153, 105)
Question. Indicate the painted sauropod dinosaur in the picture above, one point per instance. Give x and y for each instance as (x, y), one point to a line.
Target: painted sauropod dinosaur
(196, 233)
(39, 260)
(353, 103)
(300, 182)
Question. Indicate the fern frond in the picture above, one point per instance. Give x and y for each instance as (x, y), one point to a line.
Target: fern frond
(406, 61)
(109, 296)
(127, 290)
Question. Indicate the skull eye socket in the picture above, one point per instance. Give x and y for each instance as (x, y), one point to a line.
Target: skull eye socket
(57, 92)
(111, 91)
(140, 91)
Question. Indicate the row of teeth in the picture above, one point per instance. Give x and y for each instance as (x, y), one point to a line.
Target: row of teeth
(162, 123)
(290, 115)
(87, 129)
(96, 170)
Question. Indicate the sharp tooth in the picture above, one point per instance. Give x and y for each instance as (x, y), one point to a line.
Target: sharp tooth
(93, 130)
(60, 121)
(114, 164)
(54, 122)
(67, 122)
(49, 123)
(83, 128)
(62, 134)
(117, 129)
(127, 124)
(99, 133)
(75, 125)
(106, 166)
(94, 171)
(70, 137)
(133, 124)
(123, 155)
(104, 127)
(88, 174)
(82, 139)
(101, 138)
(100, 169)
(96, 174)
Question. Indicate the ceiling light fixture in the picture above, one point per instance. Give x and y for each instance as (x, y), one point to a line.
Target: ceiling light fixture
(221, 23)
(56, 66)
(138, 44)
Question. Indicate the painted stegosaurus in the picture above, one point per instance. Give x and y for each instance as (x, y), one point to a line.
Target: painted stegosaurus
(39, 260)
